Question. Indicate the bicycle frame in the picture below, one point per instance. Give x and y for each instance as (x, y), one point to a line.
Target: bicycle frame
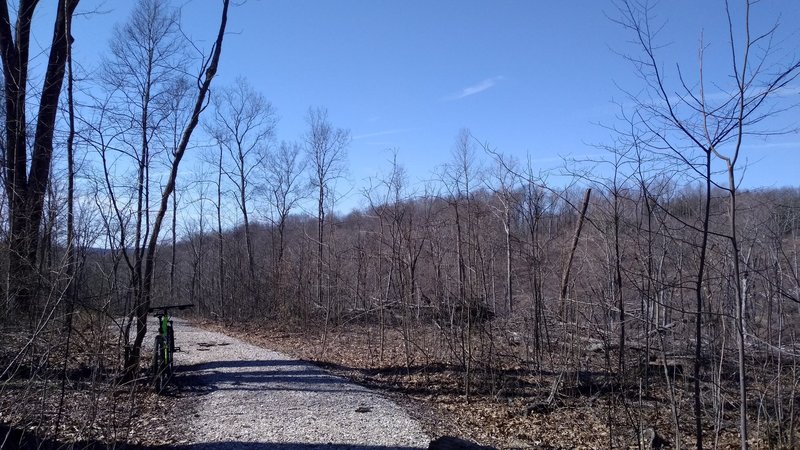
(165, 324)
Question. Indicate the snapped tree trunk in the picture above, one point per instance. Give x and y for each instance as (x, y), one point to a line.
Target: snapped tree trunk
(575, 238)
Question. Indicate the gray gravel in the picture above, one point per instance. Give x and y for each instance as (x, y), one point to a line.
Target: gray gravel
(240, 396)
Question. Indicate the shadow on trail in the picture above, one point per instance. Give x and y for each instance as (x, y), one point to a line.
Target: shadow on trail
(299, 375)
(445, 379)
(13, 438)
(264, 375)
(234, 445)
(238, 364)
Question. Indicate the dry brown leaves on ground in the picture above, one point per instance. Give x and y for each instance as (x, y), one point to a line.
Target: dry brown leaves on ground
(51, 403)
(508, 406)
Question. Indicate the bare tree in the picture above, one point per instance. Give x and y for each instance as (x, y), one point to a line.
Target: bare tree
(177, 110)
(244, 125)
(461, 177)
(143, 79)
(284, 188)
(682, 121)
(326, 150)
(505, 183)
(26, 191)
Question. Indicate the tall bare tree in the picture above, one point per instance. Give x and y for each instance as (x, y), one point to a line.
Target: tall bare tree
(177, 111)
(685, 123)
(244, 125)
(284, 188)
(26, 191)
(143, 79)
(326, 150)
(505, 183)
(461, 177)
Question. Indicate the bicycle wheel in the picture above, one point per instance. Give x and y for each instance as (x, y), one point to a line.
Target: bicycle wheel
(171, 347)
(159, 365)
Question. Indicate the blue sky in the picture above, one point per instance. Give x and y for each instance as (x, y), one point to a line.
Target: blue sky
(529, 77)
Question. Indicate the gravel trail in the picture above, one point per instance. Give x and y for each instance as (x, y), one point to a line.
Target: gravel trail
(240, 396)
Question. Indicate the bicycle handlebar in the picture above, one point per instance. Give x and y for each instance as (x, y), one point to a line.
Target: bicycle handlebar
(168, 307)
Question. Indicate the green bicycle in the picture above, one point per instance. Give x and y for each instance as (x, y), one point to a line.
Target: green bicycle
(164, 346)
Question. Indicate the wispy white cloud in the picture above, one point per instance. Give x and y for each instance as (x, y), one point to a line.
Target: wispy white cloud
(382, 133)
(793, 145)
(476, 88)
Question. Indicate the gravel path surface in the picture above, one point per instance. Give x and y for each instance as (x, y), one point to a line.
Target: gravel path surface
(238, 396)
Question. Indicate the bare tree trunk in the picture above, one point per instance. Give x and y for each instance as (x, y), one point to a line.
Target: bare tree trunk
(740, 306)
(220, 239)
(72, 261)
(509, 278)
(321, 265)
(618, 283)
(71, 289)
(698, 331)
(173, 260)
(575, 237)
(251, 266)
